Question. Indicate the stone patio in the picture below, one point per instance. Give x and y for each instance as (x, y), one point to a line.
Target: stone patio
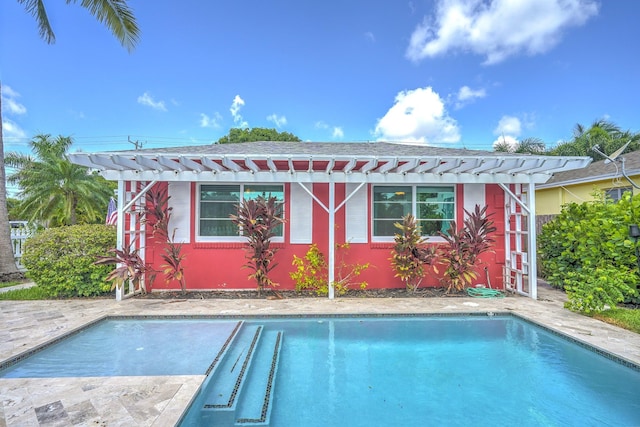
(160, 401)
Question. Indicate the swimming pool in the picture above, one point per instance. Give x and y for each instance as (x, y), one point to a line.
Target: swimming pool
(409, 371)
(365, 371)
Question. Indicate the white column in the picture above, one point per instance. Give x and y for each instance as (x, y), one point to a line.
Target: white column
(332, 237)
(120, 230)
(533, 261)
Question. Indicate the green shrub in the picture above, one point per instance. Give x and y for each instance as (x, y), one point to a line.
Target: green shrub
(61, 260)
(586, 250)
(592, 290)
(312, 273)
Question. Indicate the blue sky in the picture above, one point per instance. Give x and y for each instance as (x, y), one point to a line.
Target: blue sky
(457, 73)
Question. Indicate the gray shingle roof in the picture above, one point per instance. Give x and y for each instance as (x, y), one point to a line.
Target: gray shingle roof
(596, 171)
(318, 148)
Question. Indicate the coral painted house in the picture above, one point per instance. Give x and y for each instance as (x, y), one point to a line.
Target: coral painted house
(330, 193)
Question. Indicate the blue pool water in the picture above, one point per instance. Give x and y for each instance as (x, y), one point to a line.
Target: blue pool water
(130, 348)
(439, 371)
(359, 371)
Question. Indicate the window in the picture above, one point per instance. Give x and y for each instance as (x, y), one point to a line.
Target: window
(217, 202)
(616, 193)
(433, 207)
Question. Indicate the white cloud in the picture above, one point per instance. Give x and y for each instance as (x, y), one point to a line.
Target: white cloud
(336, 131)
(210, 122)
(9, 103)
(369, 36)
(508, 125)
(466, 95)
(508, 130)
(11, 130)
(418, 115)
(236, 105)
(497, 29)
(278, 121)
(511, 141)
(146, 99)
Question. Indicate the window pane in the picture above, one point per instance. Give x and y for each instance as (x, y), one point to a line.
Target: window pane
(390, 204)
(435, 209)
(217, 227)
(217, 202)
(266, 191)
(226, 193)
(217, 210)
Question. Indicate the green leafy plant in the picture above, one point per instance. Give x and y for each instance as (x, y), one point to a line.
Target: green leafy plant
(61, 261)
(258, 218)
(460, 254)
(312, 271)
(410, 253)
(594, 290)
(586, 239)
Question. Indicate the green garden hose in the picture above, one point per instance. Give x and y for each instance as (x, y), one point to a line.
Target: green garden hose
(484, 293)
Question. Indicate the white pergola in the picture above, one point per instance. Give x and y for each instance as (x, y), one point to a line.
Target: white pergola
(354, 163)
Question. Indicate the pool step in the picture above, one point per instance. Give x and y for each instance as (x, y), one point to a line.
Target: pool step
(254, 407)
(240, 388)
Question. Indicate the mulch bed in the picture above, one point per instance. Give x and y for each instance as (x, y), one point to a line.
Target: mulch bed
(286, 294)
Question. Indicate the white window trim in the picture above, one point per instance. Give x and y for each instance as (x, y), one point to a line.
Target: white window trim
(233, 239)
(429, 239)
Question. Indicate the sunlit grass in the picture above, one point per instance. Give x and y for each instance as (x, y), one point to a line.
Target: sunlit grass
(8, 284)
(33, 293)
(623, 317)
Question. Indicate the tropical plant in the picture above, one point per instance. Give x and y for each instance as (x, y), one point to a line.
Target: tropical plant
(587, 251)
(312, 271)
(460, 255)
(529, 145)
(54, 191)
(258, 219)
(410, 253)
(158, 215)
(608, 136)
(114, 14)
(173, 268)
(62, 260)
(129, 268)
(256, 134)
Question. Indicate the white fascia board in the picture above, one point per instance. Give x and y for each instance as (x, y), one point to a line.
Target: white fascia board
(587, 180)
(323, 177)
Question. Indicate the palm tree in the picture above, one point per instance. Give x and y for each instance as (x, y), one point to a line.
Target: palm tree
(529, 145)
(119, 18)
(55, 191)
(115, 14)
(605, 134)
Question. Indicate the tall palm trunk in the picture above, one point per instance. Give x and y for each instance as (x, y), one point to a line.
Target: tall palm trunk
(8, 269)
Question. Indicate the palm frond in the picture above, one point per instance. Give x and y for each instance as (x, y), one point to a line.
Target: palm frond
(36, 9)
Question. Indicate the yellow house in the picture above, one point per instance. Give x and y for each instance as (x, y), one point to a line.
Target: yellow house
(578, 185)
